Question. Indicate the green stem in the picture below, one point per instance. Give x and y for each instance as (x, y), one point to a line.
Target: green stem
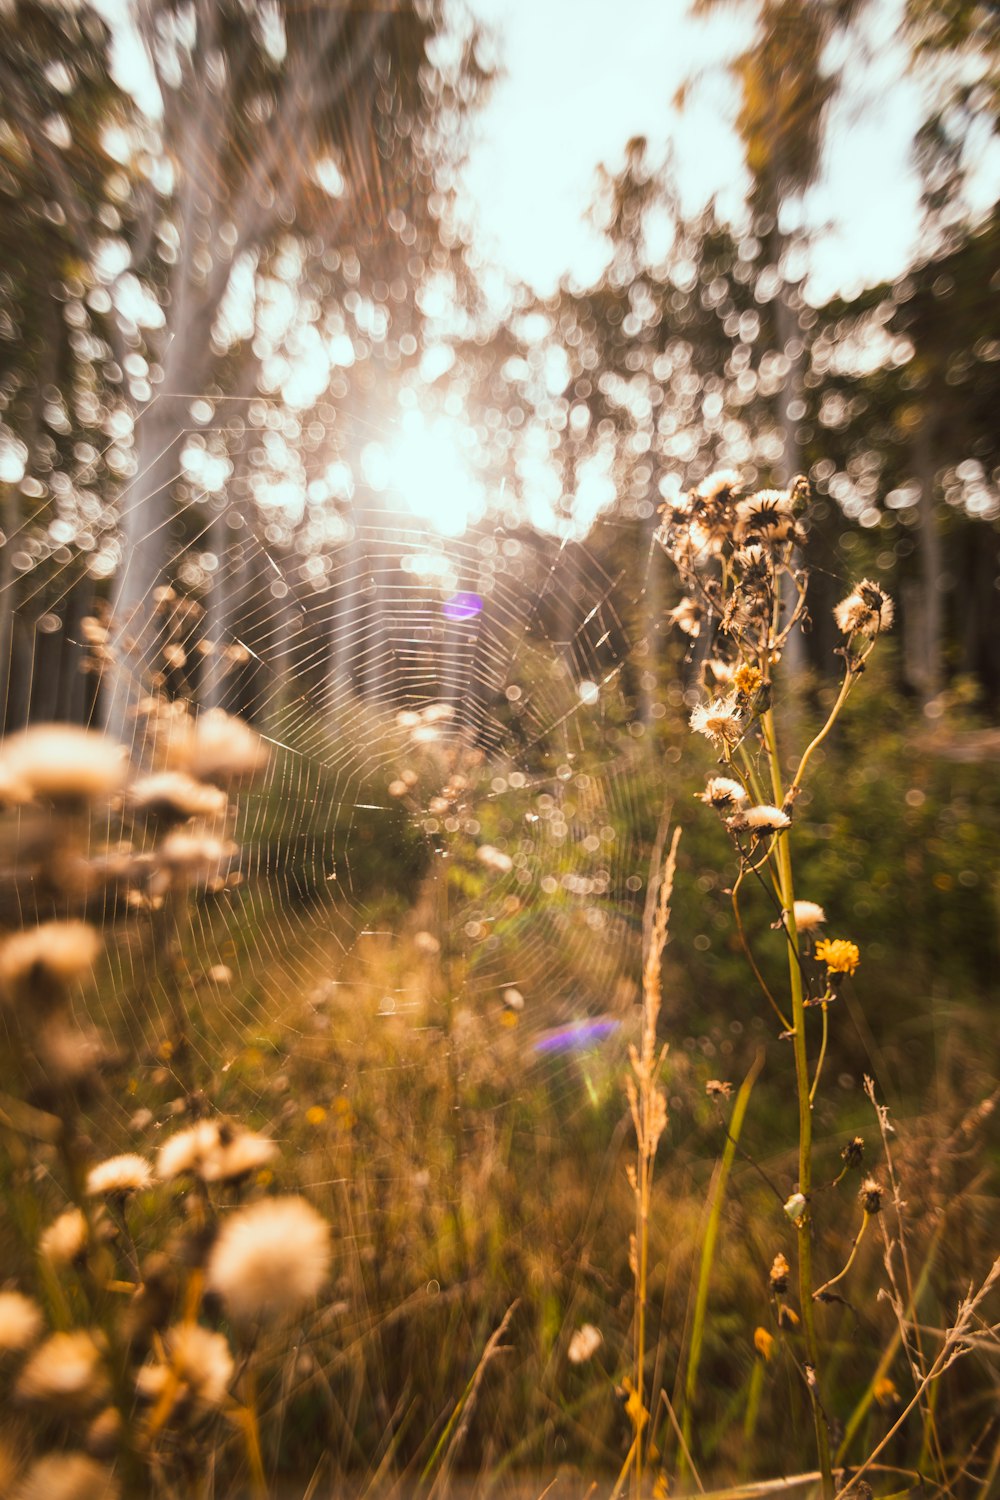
(822, 1054)
(716, 1199)
(804, 1235)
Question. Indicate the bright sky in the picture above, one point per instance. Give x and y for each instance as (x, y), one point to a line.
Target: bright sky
(583, 76)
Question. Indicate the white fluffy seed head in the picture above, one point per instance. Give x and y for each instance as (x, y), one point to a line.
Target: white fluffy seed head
(808, 915)
(270, 1260)
(66, 1373)
(584, 1344)
(128, 1173)
(198, 1361)
(68, 1476)
(65, 1239)
(766, 816)
(56, 953)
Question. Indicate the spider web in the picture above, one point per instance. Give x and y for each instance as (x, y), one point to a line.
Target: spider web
(454, 703)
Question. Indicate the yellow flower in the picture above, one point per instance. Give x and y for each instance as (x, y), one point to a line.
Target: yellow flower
(315, 1114)
(839, 955)
(748, 679)
(763, 1342)
(885, 1392)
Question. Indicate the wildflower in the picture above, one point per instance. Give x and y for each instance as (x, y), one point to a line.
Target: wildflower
(220, 974)
(748, 679)
(66, 1372)
(119, 1175)
(839, 955)
(763, 1342)
(199, 1363)
(753, 563)
(871, 1196)
(426, 943)
(173, 796)
(270, 1259)
(795, 1207)
(722, 791)
(720, 721)
(63, 763)
(513, 999)
(716, 1089)
(779, 1274)
(766, 817)
(494, 859)
(808, 915)
(885, 1392)
(867, 609)
(64, 1241)
(397, 788)
(68, 1476)
(687, 617)
(217, 747)
(194, 856)
(722, 484)
(50, 957)
(584, 1344)
(20, 1322)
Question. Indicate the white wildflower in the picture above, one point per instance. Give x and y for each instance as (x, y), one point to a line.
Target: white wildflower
(270, 1260)
(199, 1364)
(513, 999)
(173, 796)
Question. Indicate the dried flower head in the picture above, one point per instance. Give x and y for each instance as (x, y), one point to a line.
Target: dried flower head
(119, 1175)
(199, 1368)
(853, 1152)
(720, 721)
(64, 763)
(270, 1259)
(779, 1274)
(808, 915)
(66, 1373)
(766, 817)
(67, 1476)
(715, 1088)
(839, 955)
(768, 514)
(686, 615)
(871, 1196)
(721, 484)
(584, 1344)
(64, 1241)
(20, 1322)
(747, 679)
(867, 609)
(795, 1207)
(173, 796)
(722, 792)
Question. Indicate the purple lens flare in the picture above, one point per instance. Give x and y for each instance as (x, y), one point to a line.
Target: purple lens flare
(462, 607)
(577, 1036)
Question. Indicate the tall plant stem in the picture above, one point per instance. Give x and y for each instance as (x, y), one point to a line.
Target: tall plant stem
(786, 886)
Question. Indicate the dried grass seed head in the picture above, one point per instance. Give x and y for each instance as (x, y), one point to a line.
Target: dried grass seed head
(270, 1260)
(20, 1322)
(867, 610)
(63, 763)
